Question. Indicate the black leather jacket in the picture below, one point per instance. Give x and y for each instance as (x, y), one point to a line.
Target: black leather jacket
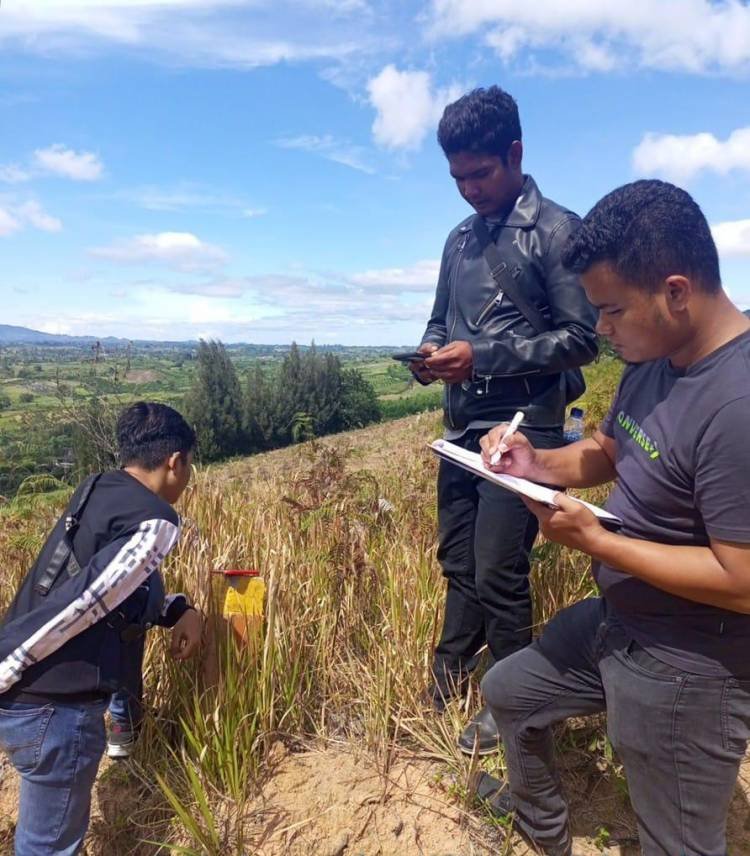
(514, 367)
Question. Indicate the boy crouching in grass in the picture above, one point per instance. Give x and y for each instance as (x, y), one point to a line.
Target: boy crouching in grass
(65, 641)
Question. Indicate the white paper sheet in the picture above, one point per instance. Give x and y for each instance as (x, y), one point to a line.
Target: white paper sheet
(472, 461)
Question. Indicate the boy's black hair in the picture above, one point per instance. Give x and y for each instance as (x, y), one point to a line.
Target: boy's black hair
(149, 432)
(485, 121)
(646, 231)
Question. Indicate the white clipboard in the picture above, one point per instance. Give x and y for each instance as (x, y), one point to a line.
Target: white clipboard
(472, 461)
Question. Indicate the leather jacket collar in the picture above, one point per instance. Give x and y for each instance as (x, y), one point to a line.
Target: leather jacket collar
(524, 213)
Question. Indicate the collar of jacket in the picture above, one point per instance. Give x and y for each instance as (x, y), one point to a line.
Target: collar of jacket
(525, 212)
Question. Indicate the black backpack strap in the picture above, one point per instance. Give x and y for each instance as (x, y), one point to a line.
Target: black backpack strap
(506, 280)
(64, 549)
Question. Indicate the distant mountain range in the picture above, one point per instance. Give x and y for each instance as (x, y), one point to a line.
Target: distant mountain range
(11, 335)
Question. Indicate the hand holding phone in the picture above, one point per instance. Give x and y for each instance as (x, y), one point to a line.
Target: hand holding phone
(410, 357)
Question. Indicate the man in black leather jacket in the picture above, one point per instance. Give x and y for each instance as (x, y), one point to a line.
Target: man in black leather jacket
(494, 362)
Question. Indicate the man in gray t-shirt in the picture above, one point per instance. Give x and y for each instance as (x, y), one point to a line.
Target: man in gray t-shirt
(683, 478)
(664, 650)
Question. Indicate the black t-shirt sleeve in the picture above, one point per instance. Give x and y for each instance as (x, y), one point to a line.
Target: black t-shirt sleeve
(722, 474)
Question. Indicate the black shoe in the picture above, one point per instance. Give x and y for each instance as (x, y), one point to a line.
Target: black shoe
(445, 687)
(482, 730)
(495, 794)
(436, 699)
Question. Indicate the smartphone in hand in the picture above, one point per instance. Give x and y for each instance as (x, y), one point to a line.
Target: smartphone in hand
(410, 357)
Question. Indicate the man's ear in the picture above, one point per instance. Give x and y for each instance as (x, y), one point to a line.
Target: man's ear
(678, 290)
(515, 154)
(174, 461)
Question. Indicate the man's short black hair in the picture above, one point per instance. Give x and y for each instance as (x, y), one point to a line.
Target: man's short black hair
(646, 231)
(485, 121)
(149, 432)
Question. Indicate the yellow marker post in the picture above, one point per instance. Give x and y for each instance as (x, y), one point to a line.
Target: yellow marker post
(243, 599)
(238, 604)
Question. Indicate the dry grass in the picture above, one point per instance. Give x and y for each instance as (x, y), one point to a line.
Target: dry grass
(354, 599)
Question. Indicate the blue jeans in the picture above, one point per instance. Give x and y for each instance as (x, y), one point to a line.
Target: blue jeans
(56, 748)
(126, 705)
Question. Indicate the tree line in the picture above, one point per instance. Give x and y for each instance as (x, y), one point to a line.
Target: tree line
(310, 394)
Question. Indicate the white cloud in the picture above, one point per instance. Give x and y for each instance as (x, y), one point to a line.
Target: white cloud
(222, 287)
(15, 216)
(337, 8)
(238, 33)
(339, 151)
(266, 308)
(330, 301)
(181, 251)
(115, 20)
(32, 213)
(187, 196)
(351, 293)
(8, 223)
(421, 276)
(252, 213)
(12, 173)
(732, 238)
(598, 35)
(683, 157)
(65, 162)
(407, 105)
(55, 328)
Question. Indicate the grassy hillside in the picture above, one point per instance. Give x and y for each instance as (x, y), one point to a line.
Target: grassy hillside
(343, 531)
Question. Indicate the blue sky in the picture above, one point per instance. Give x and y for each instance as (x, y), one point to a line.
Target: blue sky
(266, 171)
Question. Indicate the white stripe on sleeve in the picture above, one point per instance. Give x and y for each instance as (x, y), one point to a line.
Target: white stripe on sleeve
(138, 558)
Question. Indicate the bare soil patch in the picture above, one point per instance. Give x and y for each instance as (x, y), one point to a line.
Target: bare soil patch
(141, 376)
(335, 801)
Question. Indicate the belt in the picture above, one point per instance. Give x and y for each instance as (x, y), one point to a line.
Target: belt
(515, 386)
(24, 697)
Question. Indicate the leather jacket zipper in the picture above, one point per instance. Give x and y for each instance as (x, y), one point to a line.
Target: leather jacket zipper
(450, 386)
(495, 300)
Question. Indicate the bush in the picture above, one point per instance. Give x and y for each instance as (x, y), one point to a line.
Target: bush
(311, 395)
(428, 399)
(214, 404)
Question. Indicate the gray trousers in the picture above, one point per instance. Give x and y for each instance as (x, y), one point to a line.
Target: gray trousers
(680, 737)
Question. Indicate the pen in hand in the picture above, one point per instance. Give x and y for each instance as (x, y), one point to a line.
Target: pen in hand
(512, 428)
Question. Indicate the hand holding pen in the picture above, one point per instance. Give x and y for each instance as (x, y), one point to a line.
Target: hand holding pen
(504, 439)
(502, 446)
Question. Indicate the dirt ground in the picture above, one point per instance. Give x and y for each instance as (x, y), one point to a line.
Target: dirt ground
(335, 801)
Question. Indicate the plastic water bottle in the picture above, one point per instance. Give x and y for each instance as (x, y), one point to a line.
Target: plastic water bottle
(573, 428)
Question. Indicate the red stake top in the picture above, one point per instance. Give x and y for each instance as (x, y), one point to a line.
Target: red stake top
(237, 572)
